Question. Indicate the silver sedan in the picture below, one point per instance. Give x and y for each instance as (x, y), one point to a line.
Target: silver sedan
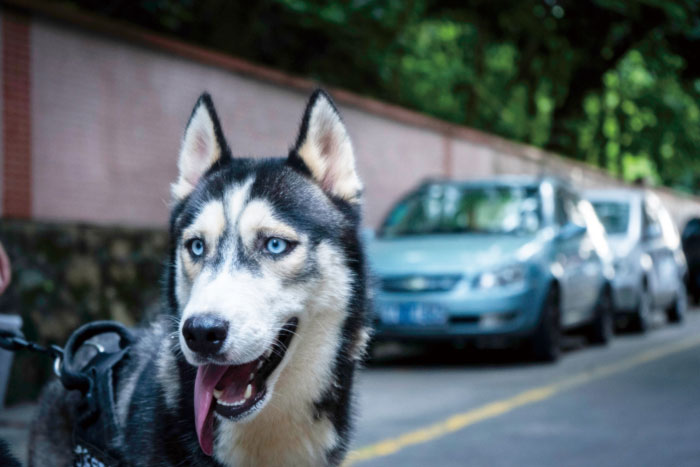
(649, 263)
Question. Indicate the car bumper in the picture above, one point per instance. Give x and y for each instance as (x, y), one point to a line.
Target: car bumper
(626, 290)
(499, 314)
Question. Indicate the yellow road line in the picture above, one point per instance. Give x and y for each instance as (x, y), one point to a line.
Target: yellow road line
(494, 409)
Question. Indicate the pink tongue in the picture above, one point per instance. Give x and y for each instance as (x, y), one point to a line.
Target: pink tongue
(207, 378)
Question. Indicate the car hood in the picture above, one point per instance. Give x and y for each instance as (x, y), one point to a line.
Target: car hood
(446, 254)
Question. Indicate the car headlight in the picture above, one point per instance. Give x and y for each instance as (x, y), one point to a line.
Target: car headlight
(501, 277)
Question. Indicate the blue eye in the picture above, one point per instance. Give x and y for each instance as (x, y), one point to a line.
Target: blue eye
(276, 245)
(196, 247)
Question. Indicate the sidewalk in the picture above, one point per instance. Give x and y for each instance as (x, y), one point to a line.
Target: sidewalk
(14, 428)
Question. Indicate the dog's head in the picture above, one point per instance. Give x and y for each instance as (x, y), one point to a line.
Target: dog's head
(259, 254)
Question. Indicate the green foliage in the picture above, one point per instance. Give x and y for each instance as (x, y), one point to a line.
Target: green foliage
(647, 124)
(611, 82)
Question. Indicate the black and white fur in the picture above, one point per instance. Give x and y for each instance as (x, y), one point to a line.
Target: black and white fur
(311, 197)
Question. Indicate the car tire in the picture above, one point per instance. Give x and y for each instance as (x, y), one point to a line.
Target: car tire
(692, 286)
(641, 319)
(676, 312)
(545, 342)
(600, 331)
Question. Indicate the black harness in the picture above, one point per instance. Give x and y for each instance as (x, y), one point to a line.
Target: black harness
(97, 435)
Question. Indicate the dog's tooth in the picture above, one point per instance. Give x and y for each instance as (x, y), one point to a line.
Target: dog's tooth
(260, 364)
(248, 391)
(217, 393)
(250, 378)
(232, 404)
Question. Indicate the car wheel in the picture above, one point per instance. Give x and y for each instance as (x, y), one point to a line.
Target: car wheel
(600, 330)
(643, 313)
(545, 343)
(676, 312)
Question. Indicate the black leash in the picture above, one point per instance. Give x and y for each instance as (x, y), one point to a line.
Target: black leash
(14, 341)
(97, 435)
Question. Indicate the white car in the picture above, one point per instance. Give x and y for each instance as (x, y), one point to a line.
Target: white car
(649, 263)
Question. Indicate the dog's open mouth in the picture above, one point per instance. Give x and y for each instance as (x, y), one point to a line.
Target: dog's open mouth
(235, 391)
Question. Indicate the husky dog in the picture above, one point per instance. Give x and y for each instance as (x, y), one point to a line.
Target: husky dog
(254, 362)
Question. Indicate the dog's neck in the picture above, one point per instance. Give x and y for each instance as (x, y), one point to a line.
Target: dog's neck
(289, 427)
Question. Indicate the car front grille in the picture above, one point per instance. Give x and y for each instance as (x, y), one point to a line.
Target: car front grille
(420, 283)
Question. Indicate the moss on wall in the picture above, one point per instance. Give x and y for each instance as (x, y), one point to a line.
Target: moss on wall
(66, 275)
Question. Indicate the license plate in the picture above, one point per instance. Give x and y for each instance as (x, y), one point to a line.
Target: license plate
(412, 314)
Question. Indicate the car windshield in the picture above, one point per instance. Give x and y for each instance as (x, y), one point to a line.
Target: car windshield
(453, 209)
(615, 216)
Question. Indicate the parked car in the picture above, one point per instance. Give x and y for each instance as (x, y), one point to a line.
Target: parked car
(510, 259)
(649, 264)
(691, 249)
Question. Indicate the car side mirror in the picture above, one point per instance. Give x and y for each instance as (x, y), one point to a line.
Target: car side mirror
(571, 230)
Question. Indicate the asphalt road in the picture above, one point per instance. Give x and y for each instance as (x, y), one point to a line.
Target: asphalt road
(635, 402)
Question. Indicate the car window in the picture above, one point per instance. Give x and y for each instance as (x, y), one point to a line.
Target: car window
(445, 209)
(571, 207)
(614, 215)
(560, 216)
(650, 221)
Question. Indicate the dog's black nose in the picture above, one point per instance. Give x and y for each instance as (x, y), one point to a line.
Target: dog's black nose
(205, 334)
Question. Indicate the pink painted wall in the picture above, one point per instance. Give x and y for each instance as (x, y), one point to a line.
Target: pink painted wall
(392, 159)
(108, 118)
(471, 160)
(2, 146)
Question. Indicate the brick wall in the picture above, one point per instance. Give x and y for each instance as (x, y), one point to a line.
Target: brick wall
(108, 118)
(2, 159)
(16, 116)
(94, 112)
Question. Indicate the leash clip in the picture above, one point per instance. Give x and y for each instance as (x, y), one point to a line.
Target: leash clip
(57, 366)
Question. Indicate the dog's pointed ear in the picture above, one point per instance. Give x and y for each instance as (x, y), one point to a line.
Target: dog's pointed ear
(323, 149)
(203, 145)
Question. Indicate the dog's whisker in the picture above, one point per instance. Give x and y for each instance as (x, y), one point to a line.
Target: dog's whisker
(280, 348)
(174, 319)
